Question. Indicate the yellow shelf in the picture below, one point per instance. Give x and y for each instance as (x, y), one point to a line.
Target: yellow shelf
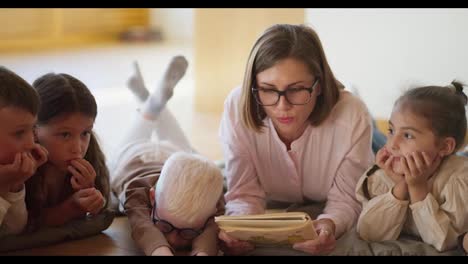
(30, 29)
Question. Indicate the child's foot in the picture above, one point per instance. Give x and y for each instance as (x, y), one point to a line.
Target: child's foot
(136, 84)
(162, 93)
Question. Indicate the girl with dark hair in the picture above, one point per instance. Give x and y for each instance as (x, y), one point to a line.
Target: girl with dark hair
(419, 187)
(75, 180)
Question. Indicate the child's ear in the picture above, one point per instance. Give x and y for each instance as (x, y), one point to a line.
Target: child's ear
(448, 146)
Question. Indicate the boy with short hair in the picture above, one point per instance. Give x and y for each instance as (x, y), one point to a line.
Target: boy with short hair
(20, 156)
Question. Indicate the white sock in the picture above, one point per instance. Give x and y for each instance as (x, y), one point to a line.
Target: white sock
(164, 91)
(136, 84)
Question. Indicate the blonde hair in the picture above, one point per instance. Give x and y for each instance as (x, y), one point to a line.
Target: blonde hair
(279, 42)
(189, 187)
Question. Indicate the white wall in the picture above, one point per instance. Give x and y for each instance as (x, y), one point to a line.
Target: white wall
(383, 51)
(176, 23)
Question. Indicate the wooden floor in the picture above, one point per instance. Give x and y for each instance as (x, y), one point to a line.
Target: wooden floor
(114, 241)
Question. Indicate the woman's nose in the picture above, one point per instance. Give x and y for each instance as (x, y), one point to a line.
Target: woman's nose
(283, 103)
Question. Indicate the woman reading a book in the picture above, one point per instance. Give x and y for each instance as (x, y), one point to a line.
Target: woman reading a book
(291, 133)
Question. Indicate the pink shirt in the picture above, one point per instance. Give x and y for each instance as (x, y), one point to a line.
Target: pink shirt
(324, 164)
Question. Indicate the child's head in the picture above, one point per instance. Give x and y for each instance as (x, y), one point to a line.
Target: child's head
(66, 117)
(18, 109)
(429, 119)
(187, 194)
(65, 123)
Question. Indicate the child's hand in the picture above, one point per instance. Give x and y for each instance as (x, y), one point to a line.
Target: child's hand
(384, 161)
(465, 243)
(83, 174)
(419, 167)
(162, 251)
(13, 176)
(400, 191)
(324, 244)
(39, 153)
(199, 254)
(232, 246)
(89, 200)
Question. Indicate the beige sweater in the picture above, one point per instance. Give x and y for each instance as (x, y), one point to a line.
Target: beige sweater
(438, 219)
(138, 169)
(13, 214)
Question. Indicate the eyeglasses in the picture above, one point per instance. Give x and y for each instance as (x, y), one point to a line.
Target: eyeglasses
(294, 96)
(185, 233)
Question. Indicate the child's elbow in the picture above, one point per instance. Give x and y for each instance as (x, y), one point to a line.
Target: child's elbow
(444, 245)
(366, 235)
(363, 232)
(369, 232)
(18, 226)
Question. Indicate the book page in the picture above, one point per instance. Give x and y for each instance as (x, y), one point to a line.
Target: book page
(261, 223)
(272, 236)
(269, 229)
(272, 216)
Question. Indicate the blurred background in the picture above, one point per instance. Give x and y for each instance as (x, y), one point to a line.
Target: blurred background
(379, 52)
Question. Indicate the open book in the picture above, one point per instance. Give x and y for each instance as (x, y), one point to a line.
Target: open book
(269, 229)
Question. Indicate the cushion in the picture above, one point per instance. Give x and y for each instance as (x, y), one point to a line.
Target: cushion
(351, 244)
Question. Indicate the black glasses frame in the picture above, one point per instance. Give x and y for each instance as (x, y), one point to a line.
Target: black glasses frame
(283, 93)
(182, 232)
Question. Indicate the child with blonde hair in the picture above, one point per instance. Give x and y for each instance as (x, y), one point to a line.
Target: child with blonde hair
(169, 193)
(19, 155)
(419, 187)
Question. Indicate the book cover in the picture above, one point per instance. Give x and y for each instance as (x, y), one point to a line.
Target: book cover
(269, 229)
